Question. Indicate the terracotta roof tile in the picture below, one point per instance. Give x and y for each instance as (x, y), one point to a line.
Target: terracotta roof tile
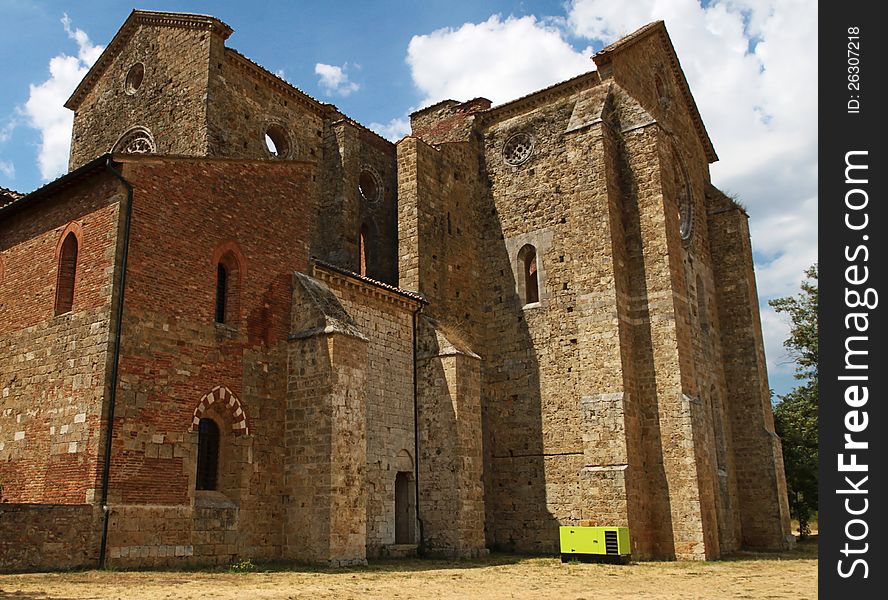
(374, 282)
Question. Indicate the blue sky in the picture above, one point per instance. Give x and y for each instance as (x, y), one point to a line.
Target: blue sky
(751, 65)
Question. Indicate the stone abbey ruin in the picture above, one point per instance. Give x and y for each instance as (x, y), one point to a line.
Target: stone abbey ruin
(330, 347)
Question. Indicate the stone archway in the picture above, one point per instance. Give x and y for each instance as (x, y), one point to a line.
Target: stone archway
(225, 396)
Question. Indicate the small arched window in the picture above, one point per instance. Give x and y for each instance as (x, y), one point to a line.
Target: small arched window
(207, 455)
(227, 289)
(529, 282)
(67, 272)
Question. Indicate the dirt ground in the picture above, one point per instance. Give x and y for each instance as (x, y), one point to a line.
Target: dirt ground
(785, 575)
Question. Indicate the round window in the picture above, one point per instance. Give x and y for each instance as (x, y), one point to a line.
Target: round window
(368, 186)
(277, 141)
(134, 78)
(517, 149)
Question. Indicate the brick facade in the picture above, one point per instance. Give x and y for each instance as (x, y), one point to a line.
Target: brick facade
(581, 342)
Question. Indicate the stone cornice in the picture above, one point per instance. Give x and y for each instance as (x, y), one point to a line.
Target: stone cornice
(539, 98)
(330, 274)
(250, 67)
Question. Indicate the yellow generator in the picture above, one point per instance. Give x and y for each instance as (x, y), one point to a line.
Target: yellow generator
(606, 544)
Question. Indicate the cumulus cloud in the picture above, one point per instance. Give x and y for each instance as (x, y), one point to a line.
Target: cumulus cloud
(44, 108)
(334, 80)
(394, 130)
(752, 68)
(498, 59)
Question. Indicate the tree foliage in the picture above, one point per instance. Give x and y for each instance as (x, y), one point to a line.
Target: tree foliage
(795, 416)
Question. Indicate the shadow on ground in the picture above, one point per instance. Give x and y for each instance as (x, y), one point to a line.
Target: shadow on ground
(805, 549)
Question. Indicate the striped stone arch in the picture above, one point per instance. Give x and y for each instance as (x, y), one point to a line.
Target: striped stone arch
(220, 393)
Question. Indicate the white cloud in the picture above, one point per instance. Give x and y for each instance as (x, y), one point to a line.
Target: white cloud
(394, 130)
(334, 80)
(7, 169)
(498, 59)
(752, 67)
(44, 108)
(775, 329)
(6, 130)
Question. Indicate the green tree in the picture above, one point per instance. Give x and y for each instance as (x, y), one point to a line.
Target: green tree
(795, 416)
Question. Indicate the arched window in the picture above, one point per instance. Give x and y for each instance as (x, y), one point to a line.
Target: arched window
(227, 289)
(137, 140)
(67, 272)
(363, 239)
(207, 455)
(528, 284)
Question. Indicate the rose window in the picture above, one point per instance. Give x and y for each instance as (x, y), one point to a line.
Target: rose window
(517, 149)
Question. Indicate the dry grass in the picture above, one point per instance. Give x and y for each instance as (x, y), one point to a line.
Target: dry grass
(786, 575)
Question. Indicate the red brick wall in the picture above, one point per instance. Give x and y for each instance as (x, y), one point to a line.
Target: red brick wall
(186, 212)
(53, 368)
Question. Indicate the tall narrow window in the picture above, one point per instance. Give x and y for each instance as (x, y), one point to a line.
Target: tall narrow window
(207, 455)
(221, 292)
(363, 238)
(66, 274)
(229, 278)
(529, 285)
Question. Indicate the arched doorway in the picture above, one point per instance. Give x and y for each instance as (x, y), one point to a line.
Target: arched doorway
(404, 509)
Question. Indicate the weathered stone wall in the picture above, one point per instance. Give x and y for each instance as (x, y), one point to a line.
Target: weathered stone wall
(170, 102)
(447, 121)
(386, 319)
(244, 100)
(439, 230)
(756, 453)
(53, 368)
(178, 365)
(650, 89)
(450, 449)
(344, 211)
(326, 450)
(538, 356)
(45, 537)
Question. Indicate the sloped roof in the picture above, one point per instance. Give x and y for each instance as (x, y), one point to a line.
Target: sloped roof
(658, 28)
(10, 204)
(136, 18)
(8, 196)
(322, 107)
(568, 86)
(416, 296)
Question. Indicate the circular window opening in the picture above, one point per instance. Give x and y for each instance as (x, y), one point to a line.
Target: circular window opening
(134, 78)
(517, 149)
(277, 141)
(368, 186)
